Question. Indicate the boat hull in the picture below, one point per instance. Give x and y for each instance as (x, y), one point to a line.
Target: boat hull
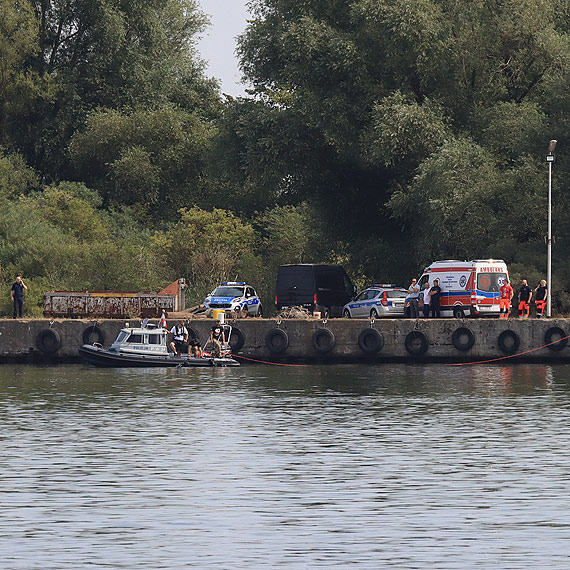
(105, 358)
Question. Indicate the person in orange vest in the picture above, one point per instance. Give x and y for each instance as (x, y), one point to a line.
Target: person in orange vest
(525, 295)
(506, 295)
(541, 294)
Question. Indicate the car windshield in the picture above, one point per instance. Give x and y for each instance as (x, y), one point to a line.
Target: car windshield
(226, 291)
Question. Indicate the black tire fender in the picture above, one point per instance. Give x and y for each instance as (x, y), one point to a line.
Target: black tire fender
(370, 340)
(48, 341)
(416, 343)
(551, 335)
(93, 334)
(323, 340)
(463, 338)
(236, 340)
(276, 341)
(508, 341)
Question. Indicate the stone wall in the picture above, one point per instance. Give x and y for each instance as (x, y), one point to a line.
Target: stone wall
(336, 340)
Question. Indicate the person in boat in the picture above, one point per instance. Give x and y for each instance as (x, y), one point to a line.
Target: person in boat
(194, 348)
(179, 338)
(217, 338)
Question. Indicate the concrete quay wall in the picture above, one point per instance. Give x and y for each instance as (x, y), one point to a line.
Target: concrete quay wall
(438, 340)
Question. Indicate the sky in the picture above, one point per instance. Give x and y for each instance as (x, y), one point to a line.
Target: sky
(218, 43)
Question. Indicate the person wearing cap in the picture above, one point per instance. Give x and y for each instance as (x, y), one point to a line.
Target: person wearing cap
(179, 338)
(217, 338)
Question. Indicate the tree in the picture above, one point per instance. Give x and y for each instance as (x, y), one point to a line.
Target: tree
(450, 102)
(204, 247)
(154, 158)
(92, 54)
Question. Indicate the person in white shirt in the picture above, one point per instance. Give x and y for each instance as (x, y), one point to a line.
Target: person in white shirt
(179, 338)
(426, 295)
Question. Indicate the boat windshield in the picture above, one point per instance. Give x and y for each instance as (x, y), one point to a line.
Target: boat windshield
(226, 291)
(122, 336)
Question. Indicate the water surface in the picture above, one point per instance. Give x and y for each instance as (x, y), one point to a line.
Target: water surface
(388, 466)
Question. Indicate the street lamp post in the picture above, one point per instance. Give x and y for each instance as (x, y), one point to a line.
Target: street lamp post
(549, 160)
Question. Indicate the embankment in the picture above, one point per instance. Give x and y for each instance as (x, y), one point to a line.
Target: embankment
(335, 340)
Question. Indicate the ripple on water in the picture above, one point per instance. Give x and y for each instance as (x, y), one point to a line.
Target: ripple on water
(366, 466)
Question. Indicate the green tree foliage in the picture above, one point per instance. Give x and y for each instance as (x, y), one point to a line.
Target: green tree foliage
(428, 120)
(154, 158)
(205, 247)
(69, 58)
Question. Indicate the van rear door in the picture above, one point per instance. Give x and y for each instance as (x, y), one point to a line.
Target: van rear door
(295, 285)
(334, 287)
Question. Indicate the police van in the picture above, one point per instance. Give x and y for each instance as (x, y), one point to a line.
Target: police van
(468, 288)
(234, 296)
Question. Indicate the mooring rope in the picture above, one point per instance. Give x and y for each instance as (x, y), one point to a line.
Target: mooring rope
(267, 362)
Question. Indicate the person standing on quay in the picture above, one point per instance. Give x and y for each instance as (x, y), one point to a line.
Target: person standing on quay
(17, 294)
(426, 297)
(525, 295)
(506, 295)
(414, 291)
(541, 294)
(434, 298)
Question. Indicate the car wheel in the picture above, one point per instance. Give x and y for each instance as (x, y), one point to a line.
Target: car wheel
(260, 311)
(325, 313)
(458, 313)
(373, 314)
(346, 314)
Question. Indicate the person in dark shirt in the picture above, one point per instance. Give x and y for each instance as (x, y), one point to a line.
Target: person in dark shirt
(194, 348)
(17, 295)
(217, 338)
(540, 296)
(525, 295)
(434, 299)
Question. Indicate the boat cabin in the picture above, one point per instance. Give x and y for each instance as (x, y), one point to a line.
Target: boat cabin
(142, 340)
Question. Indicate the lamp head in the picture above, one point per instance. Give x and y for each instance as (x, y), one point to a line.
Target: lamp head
(551, 146)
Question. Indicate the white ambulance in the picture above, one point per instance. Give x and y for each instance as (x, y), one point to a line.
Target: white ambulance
(468, 288)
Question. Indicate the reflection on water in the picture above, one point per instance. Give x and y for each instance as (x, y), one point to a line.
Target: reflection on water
(264, 466)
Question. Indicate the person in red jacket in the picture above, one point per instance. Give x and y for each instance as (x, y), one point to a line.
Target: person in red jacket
(506, 294)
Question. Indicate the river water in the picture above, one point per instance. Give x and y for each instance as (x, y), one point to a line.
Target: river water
(383, 466)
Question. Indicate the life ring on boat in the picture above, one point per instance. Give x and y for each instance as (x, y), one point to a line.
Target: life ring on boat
(236, 340)
(370, 340)
(509, 341)
(276, 341)
(416, 343)
(93, 334)
(323, 340)
(48, 341)
(463, 338)
(551, 335)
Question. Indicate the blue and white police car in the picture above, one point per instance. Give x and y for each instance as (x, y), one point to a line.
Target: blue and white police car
(234, 296)
(381, 300)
